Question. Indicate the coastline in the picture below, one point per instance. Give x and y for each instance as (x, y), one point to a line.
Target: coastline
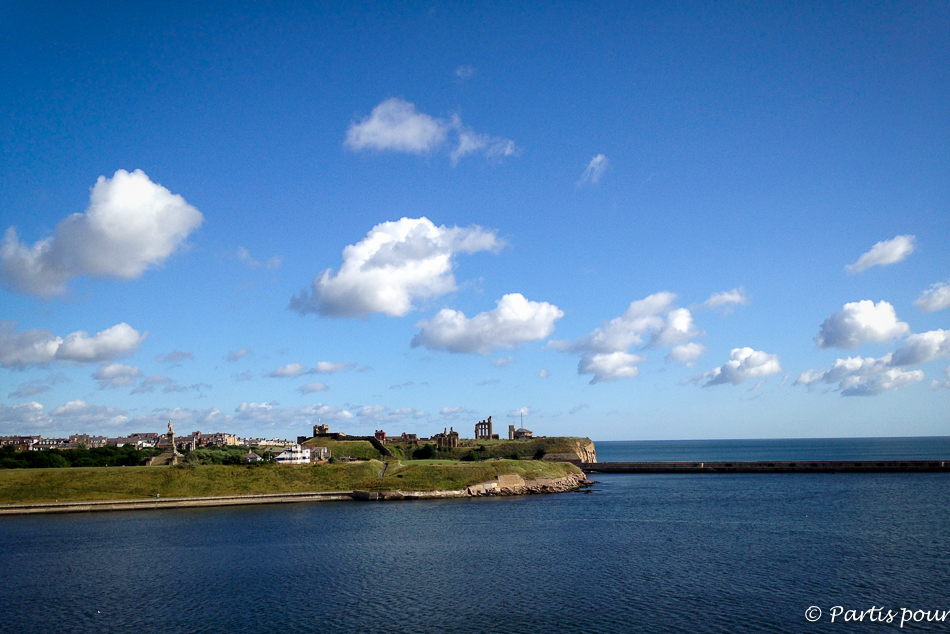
(502, 486)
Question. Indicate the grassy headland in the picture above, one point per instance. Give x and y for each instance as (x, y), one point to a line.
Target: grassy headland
(535, 448)
(36, 486)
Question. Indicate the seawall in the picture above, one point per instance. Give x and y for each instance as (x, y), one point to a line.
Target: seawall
(773, 466)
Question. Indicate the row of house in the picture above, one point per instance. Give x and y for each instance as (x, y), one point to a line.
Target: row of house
(195, 440)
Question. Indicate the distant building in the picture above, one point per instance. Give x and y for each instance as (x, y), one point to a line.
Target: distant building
(319, 453)
(380, 435)
(251, 457)
(91, 442)
(23, 443)
(483, 430)
(295, 454)
(448, 438)
(321, 430)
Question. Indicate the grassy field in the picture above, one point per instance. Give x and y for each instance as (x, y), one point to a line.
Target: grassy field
(25, 486)
(479, 449)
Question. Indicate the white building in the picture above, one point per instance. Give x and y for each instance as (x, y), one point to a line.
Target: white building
(295, 454)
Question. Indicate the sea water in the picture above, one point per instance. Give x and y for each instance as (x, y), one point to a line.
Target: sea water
(637, 553)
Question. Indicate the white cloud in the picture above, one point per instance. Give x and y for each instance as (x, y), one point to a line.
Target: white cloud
(922, 348)
(686, 353)
(237, 355)
(518, 413)
(608, 366)
(935, 298)
(329, 367)
(884, 252)
(677, 329)
(245, 256)
(465, 71)
(382, 414)
(397, 263)
(291, 370)
(605, 351)
(743, 364)
(727, 298)
(396, 126)
(289, 417)
(79, 413)
(40, 347)
(857, 376)
(514, 321)
(131, 224)
(116, 375)
(309, 388)
(858, 323)
(503, 362)
(544, 373)
(23, 418)
(595, 170)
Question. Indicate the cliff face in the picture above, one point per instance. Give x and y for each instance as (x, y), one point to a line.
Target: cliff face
(576, 450)
(586, 451)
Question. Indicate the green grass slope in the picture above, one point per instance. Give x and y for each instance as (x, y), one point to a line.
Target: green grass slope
(33, 486)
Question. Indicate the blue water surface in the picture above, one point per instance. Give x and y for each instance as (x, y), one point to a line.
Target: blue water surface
(637, 553)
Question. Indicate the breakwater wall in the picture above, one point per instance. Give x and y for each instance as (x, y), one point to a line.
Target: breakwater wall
(772, 466)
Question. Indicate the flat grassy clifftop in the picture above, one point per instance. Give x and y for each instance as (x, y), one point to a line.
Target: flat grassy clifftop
(561, 448)
(28, 486)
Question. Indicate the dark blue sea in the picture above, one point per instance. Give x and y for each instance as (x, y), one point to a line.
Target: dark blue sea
(637, 553)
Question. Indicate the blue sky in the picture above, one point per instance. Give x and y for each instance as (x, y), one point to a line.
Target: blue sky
(624, 222)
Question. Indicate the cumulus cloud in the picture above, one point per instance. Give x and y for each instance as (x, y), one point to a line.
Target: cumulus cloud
(686, 353)
(25, 416)
(605, 351)
(289, 371)
(609, 366)
(80, 413)
(514, 321)
(453, 412)
(544, 373)
(382, 414)
(131, 224)
(396, 126)
(922, 348)
(744, 363)
(174, 357)
(395, 264)
(884, 252)
(503, 362)
(41, 347)
(518, 413)
(310, 388)
(858, 323)
(935, 298)
(272, 414)
(857, 376)
(736, 296)
(595, 170)
(116, 375)
(245, 256)
(237, 355)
